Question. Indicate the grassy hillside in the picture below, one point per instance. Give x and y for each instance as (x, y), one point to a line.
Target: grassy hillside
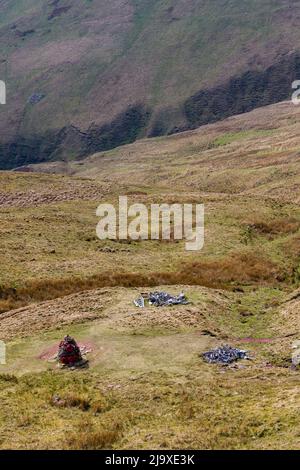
(106, 73)
(244, 169)
(147, 386)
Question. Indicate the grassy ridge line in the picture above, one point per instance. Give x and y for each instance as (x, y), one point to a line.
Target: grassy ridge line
(227, 273)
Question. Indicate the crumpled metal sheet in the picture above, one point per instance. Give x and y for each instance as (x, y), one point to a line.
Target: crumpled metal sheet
(36, 98)
(161, 299)
(140, 302)
(225, 355)
(296, 353)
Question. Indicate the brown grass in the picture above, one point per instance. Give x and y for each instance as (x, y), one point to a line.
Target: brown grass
(88, 438)
(237, 268)
(223, 273)
(72, 400)
(284, 225)
(9, 378)
(292, 246)
(100, 406)
(92, 440)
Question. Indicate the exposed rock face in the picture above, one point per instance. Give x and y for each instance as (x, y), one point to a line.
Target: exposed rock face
(238, 95)
(70, 141)
(244, 93)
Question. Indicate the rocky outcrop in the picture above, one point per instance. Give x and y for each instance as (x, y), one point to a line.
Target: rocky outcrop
(70, 141)
(238, 95)
(244, 93)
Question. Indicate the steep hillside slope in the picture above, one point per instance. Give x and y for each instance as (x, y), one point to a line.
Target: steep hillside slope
(254, 154)
(244, 169)
(84, 76)
(147, 385)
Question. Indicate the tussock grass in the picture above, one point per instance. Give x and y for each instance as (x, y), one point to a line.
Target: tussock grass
(72, 400)
(225, 273)
(237, 268)
(204, 410)
(292, 247)
(284, 225)
(8, 378)
(87, 437)
(92, 440)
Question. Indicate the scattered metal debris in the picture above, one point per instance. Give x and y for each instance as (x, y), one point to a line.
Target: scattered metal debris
(225, 355)
(36, 98)
(140, 302)
(161, 299)
(296, 354)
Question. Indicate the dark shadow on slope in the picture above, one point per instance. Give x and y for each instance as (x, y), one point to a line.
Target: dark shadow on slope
(71, 142)
(242, 94)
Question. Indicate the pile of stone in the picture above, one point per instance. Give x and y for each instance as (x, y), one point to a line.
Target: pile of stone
(225, 355)
(70, 354)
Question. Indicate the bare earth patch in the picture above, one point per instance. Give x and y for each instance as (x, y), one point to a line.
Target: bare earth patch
(51, 352)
